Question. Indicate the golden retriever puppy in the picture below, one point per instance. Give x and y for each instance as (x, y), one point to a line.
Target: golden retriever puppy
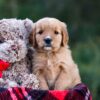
(52, 59)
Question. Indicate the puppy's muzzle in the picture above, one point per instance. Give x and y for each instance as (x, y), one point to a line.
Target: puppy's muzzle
(48, 41)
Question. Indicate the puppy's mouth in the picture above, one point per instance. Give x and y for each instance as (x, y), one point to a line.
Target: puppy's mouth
(48, 47)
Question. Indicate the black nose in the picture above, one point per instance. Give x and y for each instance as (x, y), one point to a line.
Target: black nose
(48, 40)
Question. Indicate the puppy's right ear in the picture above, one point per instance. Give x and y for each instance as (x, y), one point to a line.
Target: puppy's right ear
(32, 39)
(65, 36)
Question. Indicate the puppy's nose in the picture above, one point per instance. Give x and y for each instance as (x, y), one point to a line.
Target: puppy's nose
(47, 40)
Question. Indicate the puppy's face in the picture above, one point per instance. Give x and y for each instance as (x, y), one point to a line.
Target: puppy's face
(49, 34)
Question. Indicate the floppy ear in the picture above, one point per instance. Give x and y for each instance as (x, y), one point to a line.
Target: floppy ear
(65, 36)
(28, 25)
(32, 39)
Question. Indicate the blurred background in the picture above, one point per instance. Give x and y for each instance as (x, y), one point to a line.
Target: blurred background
(83, 21)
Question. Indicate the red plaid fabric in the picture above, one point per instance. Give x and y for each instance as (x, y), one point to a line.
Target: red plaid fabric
(79, 92)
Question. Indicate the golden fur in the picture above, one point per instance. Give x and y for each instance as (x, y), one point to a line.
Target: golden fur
(53, 64)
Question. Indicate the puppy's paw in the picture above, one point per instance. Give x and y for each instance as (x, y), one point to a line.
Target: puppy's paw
(11, 84)
(30, 81)
(7, 83)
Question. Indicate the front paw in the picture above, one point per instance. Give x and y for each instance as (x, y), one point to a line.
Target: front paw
(7, 83)
(30, 81)
(11, 84)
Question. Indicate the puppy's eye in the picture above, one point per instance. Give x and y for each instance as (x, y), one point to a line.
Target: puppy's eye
(1, 41)
(40, 32)
(56, 32)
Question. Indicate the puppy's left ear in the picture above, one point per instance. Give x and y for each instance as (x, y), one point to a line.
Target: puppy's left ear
(32, 39)
(65, 36)
(28, 24)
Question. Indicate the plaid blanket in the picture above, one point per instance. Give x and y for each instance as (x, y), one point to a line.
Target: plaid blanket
(79, 92)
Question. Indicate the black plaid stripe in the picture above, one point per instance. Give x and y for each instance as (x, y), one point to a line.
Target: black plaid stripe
(5, 94)
(38, 94)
